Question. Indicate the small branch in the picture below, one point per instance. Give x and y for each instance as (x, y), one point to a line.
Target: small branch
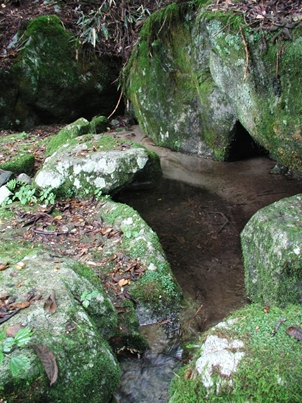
(117, 105)
(282, 320)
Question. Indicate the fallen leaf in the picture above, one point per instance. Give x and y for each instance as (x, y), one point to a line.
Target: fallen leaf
(48, 361)
(12, 330)
(20, 305)
(106, 230)
(50, 305)
(19, 265)
(295, 332)
(4, 266)
(4, 294)
(122, 282)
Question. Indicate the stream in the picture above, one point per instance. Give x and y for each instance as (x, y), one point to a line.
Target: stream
(198, 210)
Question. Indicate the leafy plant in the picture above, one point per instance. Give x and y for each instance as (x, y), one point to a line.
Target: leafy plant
(25, 194)
(98, 193)
(47, 196)
(86, 297)
(28, 194)
(18, 363)
(12, 184)
(129, 233)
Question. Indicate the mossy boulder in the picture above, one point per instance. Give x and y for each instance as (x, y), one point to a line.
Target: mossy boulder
(194, 88)
(23, 163)
(248, 358)
(75, 129)
(157, 291)
(95, 163)
(169, 83)
(272, 252)
(53, 80)
(99, 124)
(74, 332)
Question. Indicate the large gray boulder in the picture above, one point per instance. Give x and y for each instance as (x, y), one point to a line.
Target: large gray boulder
(96, 163)
(65, 324)
(204, 83)
(272, 252)
(52, 80)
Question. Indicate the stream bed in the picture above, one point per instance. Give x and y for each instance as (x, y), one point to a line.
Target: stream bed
(198, 210)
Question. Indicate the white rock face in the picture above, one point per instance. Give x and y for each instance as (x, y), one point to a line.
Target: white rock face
(4, 193)
(79, 169)
(221, 354)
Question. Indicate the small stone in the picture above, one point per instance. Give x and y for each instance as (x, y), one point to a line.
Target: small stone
(24, 178)
(4, 176)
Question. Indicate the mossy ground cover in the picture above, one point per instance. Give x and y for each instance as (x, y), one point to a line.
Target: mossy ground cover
(18, 152)
(270, 370)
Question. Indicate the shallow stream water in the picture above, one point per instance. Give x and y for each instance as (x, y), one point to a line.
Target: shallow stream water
(197, 209)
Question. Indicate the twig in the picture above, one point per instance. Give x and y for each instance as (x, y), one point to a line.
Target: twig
(246, 54)
(117, 105)
(282, 320)
(37, 231)
(195, 314)
(162, 25)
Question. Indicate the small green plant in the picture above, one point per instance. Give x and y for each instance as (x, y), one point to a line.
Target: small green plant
(12, 184)
(98, 193)
(129, 233)
(86, 297)
(18, 363)
(159, 283)
(47, 196)
(26, 194)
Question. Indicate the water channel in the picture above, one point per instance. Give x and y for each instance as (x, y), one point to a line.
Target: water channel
(198, 210)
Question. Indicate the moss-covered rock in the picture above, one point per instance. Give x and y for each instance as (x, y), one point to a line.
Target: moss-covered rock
(169, 83)
(98, 124)
(23, 163)
(75, 129)
(87, 369)
(95, 163)
(248, 358)
(195, 88)
(272, 251)
(157, 291)
(52, 80)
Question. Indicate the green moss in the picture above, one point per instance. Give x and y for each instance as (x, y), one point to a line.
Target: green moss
(9, 253)
(128, 336)
(99, 124)
(270, 247)
(68, 135)
(19, 164)
(269, 371)
(157, 287)
(54, 65)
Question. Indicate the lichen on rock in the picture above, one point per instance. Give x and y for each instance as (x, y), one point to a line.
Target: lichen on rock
(86, 365)
(244, 359)
(271, 246)
(202, 81)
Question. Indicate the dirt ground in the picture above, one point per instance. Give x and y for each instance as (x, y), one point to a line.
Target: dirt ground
(198, 211)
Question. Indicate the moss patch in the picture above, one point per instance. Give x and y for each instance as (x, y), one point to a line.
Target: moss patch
(269, 371)
(272, 253)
